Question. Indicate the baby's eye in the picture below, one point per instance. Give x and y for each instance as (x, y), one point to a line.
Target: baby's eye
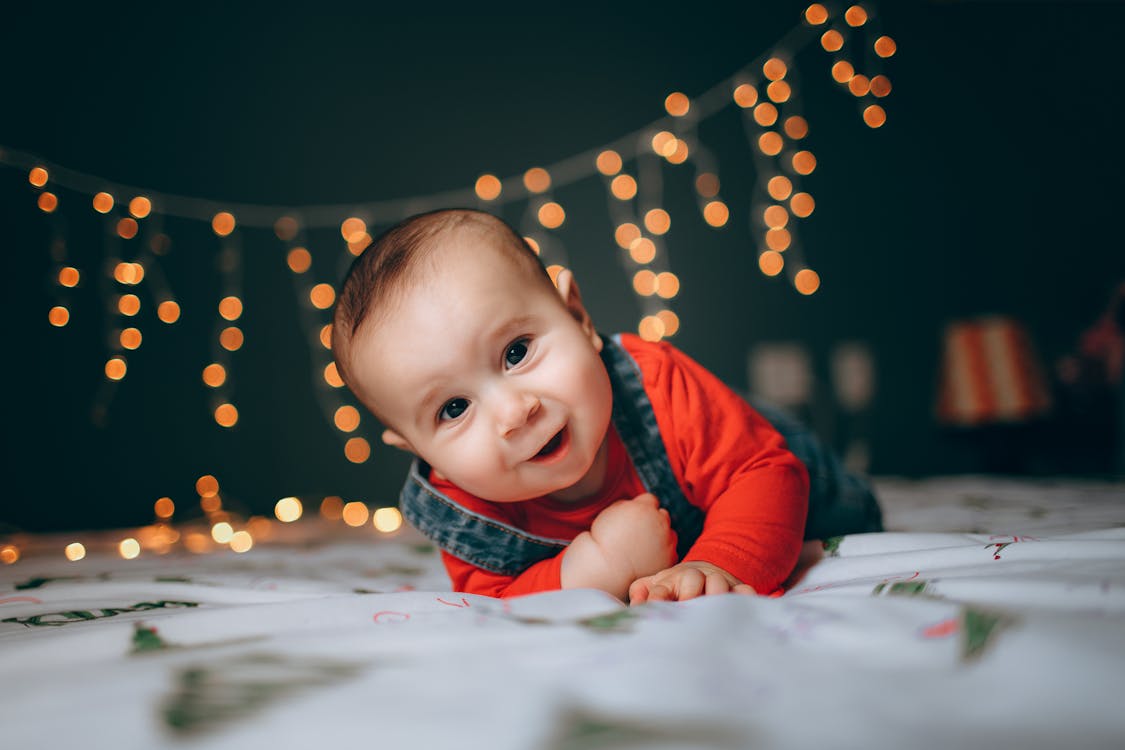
(453, 408)
(515, 353)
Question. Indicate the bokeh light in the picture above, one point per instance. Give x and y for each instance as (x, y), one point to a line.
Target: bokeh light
(644, 282)
(765, 114)
(168, 311)
(626, 234)
(115, 368)
(355, 513)
(677, 104)
(222, 223)
(128, 304)
(779, 187)
(874, 116)
(214, 375)
(707, 184)
(880, 86)
(129, 548)
(207, 486)
(608, 162)
(346, 418)
(332, 376)
(164, 507)
(796, 127)
(623, 187)
(231, 338)
(357, 450)
(299, 260)
(716, 213)
(658, 221)
(770, 143)
(551, 215)
(230, 308)
(855, 15)
(802, 205)
(69, 276)
(651, 328)
(58, 316)
(804, 162)
(288, 509)
(771, 262)
(130, 338)
(807, 281)
(778, 239)
(667, 284)
(127, 228)
(642, 250)
(47, 202)
(816, 14)
(75, 551)
(241, 541)
(226, 415)
(745, 95)
(140, 207)
(671, 322)
(322, 296)
(103, 203)
(37, 176)
(537, 180)
(832, 41)
(387, 520)
(885, 46)
(488, 187)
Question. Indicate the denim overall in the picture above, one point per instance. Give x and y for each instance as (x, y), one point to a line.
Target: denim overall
(839, 503)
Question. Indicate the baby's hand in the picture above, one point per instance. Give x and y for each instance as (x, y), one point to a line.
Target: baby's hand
(629, 539)
(686, 581)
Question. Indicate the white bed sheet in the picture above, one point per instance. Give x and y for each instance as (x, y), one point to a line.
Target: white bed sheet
(992, 615)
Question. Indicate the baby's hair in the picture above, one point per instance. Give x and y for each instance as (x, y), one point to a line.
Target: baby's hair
(382, 271)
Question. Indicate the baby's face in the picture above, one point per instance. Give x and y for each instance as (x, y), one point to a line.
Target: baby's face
(489, 377)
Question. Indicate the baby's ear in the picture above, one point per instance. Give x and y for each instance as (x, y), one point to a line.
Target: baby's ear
(572, 298)
(393, 439)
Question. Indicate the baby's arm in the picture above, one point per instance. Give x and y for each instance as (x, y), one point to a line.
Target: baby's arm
(629, 539)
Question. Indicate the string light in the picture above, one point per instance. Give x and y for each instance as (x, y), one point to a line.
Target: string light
(679, 145)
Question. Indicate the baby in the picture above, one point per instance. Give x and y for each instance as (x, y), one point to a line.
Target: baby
(549, 456)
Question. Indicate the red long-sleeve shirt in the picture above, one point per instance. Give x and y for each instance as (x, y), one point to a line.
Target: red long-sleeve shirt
(727, 459)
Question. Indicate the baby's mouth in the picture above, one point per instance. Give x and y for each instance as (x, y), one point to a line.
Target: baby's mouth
(552, 445)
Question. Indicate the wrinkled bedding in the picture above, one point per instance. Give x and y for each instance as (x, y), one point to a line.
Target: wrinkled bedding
(991, 614)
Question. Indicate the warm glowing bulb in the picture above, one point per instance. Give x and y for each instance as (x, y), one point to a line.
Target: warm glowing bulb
(322, 296)
(357, 450)
(241, 541)
(707, 184)
(222, 532)
(352, 228)
(816, 14)
(332, 508)
(807, 281)
(874, 116)
(842, 71)
(716, 213)
(745, 95)
(880, 86)
(885, 46)
(802, 204)
(859, 85)
(129, 304)
(765, 114)
(103, 203)
(658, 221)
(288, 509)
(667, 284)
(355, 513)
(207, 486)
(115, 368)
(796, 127)
(537, 180)
(804, 162)
(168, 311)
(855, 16)
(58, 316)
(230, 308)
(680, 153)
(231, 338)
(664, 143)
(608, 162)
(677, 104)
(779, 187)
(644, 282)
(37, 176)
(778, 239)
(623, 187)
(651, 328)
(832, 41)
(387, 520)
(129, 548)
(771, 262)
(774, 69)
(551, 215)
(770, 143)
(164, 507)
(127, 228)
(214, 375)
(299, 259)
(346, 418)
(775, 217)
(69, 276)
(488, 187)
(671, 322)
(779, 91)
(626, 234)
(140, 207)
(642, 250)
(223, 223)
(47, 202)
(75, 551)
(226, 415)
(130, 338)
(332, 376)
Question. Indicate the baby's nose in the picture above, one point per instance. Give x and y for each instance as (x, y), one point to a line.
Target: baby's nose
(516, 410)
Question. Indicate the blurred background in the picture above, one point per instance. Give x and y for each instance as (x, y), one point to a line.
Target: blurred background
(962, 315)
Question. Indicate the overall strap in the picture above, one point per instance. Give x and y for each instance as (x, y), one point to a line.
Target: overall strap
(475, 538)
(636, 424)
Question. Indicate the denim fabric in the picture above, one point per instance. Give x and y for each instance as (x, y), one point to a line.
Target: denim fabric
(839, 503)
